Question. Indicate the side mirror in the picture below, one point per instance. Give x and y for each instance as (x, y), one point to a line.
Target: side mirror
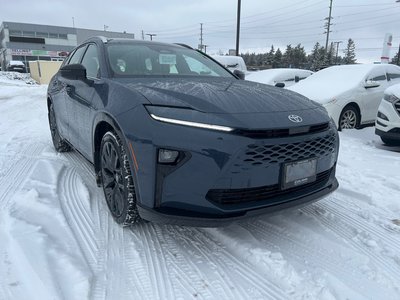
(296, 78)
(239, 74)
(74, 72)
(371, 84)
(280, 85)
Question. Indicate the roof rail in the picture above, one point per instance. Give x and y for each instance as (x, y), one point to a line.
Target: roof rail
(183, 45)
(103, 39)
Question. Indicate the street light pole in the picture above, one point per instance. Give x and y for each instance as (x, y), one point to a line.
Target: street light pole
(238, 28)
(151, 35)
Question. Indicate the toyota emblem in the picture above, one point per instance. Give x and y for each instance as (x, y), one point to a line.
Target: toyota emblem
(295, 118)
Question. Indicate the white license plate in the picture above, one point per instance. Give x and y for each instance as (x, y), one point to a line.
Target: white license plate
(299, 173)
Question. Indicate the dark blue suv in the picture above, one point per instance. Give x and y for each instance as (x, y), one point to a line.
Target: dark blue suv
(176, 138)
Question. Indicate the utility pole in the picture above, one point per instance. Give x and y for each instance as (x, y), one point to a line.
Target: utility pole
(238, 27)
(201, 37)
(142, 35)
(151, 35)
(328, 27)
(337, 50)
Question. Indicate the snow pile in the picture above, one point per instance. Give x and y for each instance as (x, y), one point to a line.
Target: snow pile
(16, 78)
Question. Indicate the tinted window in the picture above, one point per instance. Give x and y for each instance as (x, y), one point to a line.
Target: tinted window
(91, 61)
(155, 59)
(76, 56)
(394, 75)
(378, 77)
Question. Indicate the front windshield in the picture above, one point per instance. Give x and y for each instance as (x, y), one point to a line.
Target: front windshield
(131, 60)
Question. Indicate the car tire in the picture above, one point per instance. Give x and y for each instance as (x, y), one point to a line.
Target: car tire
(390, 142)
(349, 118)
(117, 180)
(59, 143)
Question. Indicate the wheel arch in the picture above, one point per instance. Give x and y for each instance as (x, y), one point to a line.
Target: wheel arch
(103, 123)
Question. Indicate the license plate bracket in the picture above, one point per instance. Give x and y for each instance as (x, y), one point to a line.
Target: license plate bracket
(298, 173)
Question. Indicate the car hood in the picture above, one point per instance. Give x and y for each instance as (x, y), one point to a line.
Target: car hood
(219, 95)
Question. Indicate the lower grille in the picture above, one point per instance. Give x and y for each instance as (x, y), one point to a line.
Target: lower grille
(273, 192)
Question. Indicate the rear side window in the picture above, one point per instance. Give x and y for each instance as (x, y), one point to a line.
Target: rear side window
(394, 75)
(91, 61)
(76, 56)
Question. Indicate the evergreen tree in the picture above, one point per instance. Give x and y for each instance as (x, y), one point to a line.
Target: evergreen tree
(270, 56)
(350, 53)
(396, 59)
(316, 58)
(277, 63)
(287, 58)
(299, 57)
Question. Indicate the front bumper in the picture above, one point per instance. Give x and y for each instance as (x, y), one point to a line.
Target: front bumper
(207, 221)
(386, 127)
(221, 161)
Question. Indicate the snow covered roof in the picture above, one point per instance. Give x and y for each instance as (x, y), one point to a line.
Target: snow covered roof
(16, 63)
(269, 76)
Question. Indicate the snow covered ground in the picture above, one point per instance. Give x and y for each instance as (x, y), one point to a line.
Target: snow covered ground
(58, 241)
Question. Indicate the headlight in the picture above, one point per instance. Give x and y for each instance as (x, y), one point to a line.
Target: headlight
(390, 98)
(332, 101)
(185, 117)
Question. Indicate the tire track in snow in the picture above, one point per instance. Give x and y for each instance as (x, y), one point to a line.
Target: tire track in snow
(388, 238)
(12, 180)
(346, 229)
(216, 252)
(157, 267)
(297, 249)
(76, 214)
(117, 263)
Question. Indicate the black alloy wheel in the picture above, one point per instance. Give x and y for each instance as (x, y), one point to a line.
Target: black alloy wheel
(59, 144)
(117, 180)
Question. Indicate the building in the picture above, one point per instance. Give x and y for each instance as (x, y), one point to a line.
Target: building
(29, 42)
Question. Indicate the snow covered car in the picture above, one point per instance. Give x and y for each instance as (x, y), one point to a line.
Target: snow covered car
(171, 144)
(231, 62)
(281, 77)
(16, 66)
(387, 124)
(350, 93)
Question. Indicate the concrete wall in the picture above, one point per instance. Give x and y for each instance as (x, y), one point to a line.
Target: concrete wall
(42, 71)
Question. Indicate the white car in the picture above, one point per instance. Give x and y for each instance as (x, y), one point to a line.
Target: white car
(281, 77)
(387, 124)
(350, 93)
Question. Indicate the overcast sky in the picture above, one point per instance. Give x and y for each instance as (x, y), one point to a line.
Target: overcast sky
(263, 23)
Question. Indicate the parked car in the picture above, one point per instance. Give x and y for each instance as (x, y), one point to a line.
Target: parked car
(387, 124)
(350, 93)
(281, 77)
(16, 66)
(176, 138)
(231, 62)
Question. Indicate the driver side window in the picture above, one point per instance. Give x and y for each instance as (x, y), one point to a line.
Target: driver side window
(91, 62)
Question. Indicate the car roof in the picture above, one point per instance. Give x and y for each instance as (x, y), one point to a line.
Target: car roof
(106, 40)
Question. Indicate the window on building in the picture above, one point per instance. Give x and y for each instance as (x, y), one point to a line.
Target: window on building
(28, 33)
(53, 35)
(15, 32)
(42, 34)
(63, 36)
